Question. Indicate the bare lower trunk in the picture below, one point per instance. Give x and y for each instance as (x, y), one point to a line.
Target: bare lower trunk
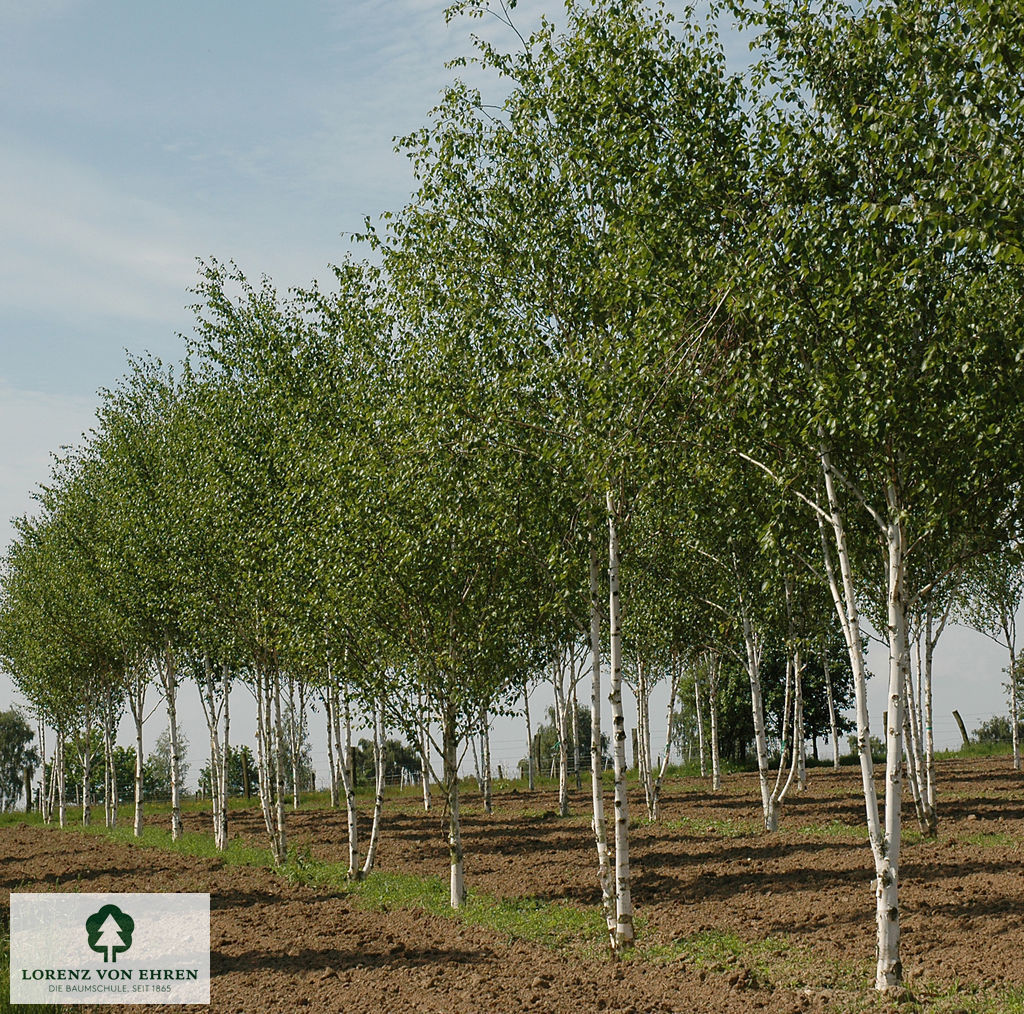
(575, 733)
(529, 739)
(333, 777)
(716, 763)
(799, 735)
(378, 799)
(278, 742)
(221, 829)
(832, 719)
(424, 755)
(86, 758)
(673, 690)
(109, 769)
(753, 648)
(885, 847)
(450, 744)
(623, 893)
(268, 748)
(604, 871)
(62, 792)
(170, 682)
(1014, 710)
(485, 759)
(698, 706)
(889, 973)
(137, 703)
(563, 748)
(45, 807)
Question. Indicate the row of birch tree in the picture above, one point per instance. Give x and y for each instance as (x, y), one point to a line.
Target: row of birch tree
(662, 368)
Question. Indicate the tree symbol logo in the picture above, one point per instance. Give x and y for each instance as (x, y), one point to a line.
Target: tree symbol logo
(110, 932)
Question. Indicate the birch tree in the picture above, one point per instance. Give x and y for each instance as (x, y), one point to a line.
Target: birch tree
(898, 390)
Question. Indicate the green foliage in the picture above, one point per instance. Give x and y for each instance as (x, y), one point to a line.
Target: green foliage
(545, 741)
(16, 754)
(996, 730)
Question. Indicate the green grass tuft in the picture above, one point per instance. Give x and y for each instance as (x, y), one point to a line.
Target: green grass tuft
(710, 828)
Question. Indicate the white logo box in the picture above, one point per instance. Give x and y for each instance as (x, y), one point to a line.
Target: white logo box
(110, 948)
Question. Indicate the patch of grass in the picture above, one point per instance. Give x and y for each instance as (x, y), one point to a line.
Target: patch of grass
(992, 839)
(551, 923)
(769, 959)
(712, 828)
(836, 829)
(976, 750)
(191, 843)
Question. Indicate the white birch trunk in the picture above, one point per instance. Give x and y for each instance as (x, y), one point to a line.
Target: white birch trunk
(332, 779)
(753, 650)
(575, 728)
(799, 735)
(424, 754)
(563, 747)
(221, 830)
(457, 885)
(62, 789)
(109, 770)
(604, 871)
(169, 675)
(380, 772)
(832, 719)
(1014, 712)
(889, 973)
(669, 736)
(137, 703)
(623, 892)
(716, 763)
(85, 754)
(698, 705)
(529, 738)
(278, 743)
(485, 759)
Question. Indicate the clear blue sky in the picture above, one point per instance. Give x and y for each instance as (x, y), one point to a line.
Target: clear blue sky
(136, 137)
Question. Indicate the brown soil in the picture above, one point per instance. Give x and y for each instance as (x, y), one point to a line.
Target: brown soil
(704, 869)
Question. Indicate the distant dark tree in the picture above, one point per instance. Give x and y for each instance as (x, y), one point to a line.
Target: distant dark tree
(996, 730)
(16, 754)
(545, 741)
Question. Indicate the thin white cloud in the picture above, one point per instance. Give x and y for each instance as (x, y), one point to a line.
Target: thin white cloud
(33, 426)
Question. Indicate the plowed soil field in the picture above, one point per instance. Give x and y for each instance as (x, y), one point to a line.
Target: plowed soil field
(731, 919)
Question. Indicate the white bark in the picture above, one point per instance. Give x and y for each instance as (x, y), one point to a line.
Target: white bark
(278, 744)
(457, 886)
(485, 758)
(832, 719)
(623, 893)
(885, 847)
(380, 772)
(85, 755)
(529, 738)
(799, 735)
(137, 705)
(698, 705)
(676, 672)
(169, 677)
(325, 696)
(62, 793)
(424, 754)
(714, 671)
(752, 643)
(889, 972)
(599, 826)
(562, 729)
